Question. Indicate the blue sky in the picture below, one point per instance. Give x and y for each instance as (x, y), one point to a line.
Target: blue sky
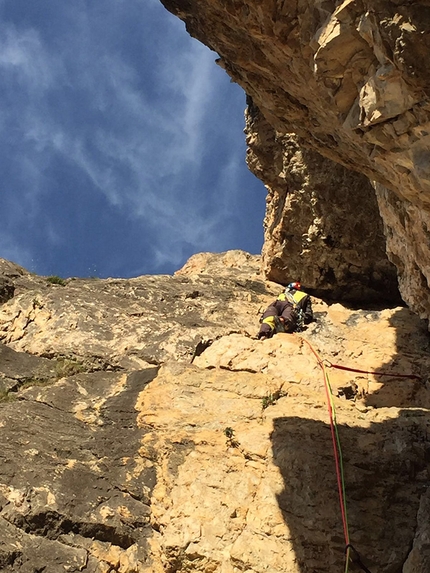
(121, 142)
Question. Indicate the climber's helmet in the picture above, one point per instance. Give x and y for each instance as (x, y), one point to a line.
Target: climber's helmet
(294, 286)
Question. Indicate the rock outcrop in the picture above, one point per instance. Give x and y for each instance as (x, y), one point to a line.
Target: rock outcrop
(218, 457)
(118, 323)
(146, 430)
(322, 223)
(349, 78)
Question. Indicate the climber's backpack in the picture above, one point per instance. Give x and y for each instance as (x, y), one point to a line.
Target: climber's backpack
(298, 314)
(295, 299)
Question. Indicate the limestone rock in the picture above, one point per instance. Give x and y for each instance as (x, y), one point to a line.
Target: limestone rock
(221, 462)
(133, 323)
(407, 229)
(246, 479)
(419, 558)
(348, 77)
(229, 264)
(6, 289)
(19, 368)
(322, 223)
(74, 490)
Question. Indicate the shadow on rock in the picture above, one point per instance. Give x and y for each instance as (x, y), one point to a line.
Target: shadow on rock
(385, 472)
(386, 455)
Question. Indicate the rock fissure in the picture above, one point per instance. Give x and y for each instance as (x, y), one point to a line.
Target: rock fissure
(52, 525)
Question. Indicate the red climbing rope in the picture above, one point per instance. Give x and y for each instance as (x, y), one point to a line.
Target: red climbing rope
(351, 554)
(337, 451)
(395, 375)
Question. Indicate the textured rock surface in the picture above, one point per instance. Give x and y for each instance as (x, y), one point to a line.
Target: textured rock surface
(406, 225)
(265, 498)
(219, 462)
(322, 223)
(349, 77)
(136, 322)
(74, 490)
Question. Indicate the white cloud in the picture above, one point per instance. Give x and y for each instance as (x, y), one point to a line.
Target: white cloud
(142, 145)
(22, 54)
(192, 86)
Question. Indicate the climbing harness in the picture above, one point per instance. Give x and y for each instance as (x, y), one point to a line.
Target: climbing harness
(351, 554)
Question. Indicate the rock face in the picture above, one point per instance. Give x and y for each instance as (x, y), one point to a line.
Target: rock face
(139, 322)
(349, 78)
(218, 458)
(74, 492)
(322, 223)
(405, 225)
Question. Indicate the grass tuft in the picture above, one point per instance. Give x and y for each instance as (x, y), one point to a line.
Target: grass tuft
(54, 280)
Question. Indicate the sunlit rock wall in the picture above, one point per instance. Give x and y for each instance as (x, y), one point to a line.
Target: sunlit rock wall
(129, 445)
(350, 78)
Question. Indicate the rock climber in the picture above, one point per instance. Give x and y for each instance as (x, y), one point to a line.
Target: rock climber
(288, 313)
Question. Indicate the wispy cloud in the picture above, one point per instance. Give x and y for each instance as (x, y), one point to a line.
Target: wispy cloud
(129, 121)
(22, 54)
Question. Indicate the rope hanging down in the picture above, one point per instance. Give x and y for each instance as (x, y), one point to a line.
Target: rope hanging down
(393, 374)
(340, 475)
